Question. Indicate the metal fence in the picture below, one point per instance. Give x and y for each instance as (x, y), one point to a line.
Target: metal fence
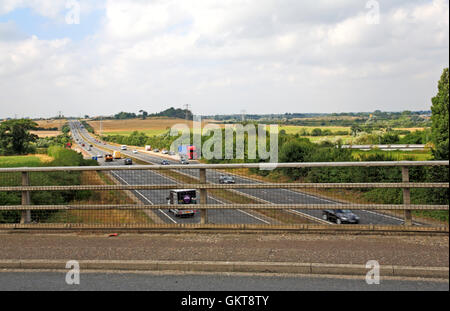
(387, 196)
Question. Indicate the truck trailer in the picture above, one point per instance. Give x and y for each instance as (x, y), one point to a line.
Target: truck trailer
(178, 201)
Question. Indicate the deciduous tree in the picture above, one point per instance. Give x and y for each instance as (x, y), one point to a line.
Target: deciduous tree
(15, 136)
(439, 119)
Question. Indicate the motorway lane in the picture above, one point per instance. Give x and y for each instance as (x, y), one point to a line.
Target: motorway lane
(55, 281)
(159, 196)
(278, 196)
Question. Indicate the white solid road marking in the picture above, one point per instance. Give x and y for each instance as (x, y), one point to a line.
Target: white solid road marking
(145, 198)
(307, 216)
(266, 222)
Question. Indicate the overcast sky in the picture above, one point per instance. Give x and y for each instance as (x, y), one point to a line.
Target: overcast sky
(220, 56)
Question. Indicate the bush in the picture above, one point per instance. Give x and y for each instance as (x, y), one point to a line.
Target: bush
(62, 157)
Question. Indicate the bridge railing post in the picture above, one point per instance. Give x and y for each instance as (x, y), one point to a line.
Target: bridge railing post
(25, 217)
(203, 197)
(406, 196)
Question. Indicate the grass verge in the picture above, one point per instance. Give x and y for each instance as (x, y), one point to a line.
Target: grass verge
(110, 216)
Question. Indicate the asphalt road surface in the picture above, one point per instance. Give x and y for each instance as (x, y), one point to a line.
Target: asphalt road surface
(55, 281)
(271, 196)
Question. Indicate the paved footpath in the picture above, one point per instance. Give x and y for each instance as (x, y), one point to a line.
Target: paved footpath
(426, 251)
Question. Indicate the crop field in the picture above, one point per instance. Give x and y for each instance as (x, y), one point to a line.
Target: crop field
(150, 132)
(43, 134)
(24, 161)
(398, 155)
(293, 129)
(150, 126)
(158, 126)
(346, 139)
(51, 123)
(327, 118)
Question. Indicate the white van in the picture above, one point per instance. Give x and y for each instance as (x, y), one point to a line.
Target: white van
(123, 147)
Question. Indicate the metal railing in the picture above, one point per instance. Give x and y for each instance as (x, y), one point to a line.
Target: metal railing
(135, 197)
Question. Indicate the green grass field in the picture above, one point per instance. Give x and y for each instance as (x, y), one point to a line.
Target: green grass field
(398, 155)
(20, 161)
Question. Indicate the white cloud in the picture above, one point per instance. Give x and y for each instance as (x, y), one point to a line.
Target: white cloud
(223, 56)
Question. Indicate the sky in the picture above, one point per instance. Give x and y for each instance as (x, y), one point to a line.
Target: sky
(101, 57)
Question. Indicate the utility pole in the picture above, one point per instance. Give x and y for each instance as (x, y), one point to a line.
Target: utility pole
(186, 108)
(243, 115)
(60, 119)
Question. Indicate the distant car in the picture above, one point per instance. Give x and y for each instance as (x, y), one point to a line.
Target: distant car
(108, 158)
(82, 145)
(171, 153)
(226, 179)
(340, 216)
(135, 151)
(123, 147)
(165, 162)
(165, 152)
(99, 155)
(128, 161)
(91, 146)
(89, 149)
(184, 161)
(155, 150)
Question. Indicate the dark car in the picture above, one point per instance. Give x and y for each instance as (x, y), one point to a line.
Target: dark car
(340, 216)
(128, 161)
(226, 179)
(165, 162)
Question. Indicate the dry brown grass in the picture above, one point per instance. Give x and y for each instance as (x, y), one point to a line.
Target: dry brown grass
(137, 124)
(112, 216)
(326, 118)
(44, 158)
(51, 123)
(44, 134)
(149, 126)
(411, 129)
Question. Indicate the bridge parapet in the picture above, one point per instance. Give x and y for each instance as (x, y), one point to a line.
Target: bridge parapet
(360, 196)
